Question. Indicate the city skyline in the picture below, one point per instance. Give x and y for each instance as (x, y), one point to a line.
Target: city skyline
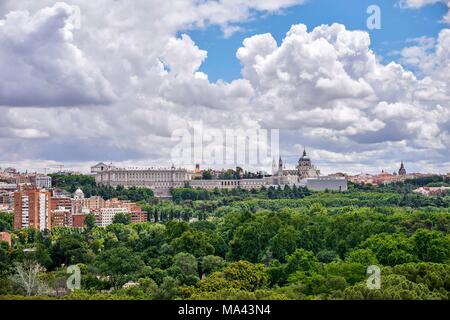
(60, 168)
(288, 163)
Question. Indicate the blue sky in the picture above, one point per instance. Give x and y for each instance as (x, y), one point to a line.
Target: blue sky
(398, 25)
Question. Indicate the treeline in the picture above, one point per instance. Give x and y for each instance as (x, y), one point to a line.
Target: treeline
(71, 183)
(183, 194)
(351, 198)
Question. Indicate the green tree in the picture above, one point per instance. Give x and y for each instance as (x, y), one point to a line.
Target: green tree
(119, 264)
(122, 218)
(246, 276)
(432, 246)
(212, 264)
(89, 221)
(301, 260)
(393, 287)
(184, 268)
(70, 249)
(284, 242)
(362, 256)
(194, 242)
(6, 221)
(168, 290)
(391, 249)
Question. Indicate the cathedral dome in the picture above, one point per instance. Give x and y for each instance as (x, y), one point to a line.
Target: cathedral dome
(304, 156)
(79, 194)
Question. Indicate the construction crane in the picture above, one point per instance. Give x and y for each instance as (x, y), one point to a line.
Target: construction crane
(60, 167)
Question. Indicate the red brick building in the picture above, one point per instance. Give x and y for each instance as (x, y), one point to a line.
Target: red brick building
(78, 220)
(32, 209)
(61, 209)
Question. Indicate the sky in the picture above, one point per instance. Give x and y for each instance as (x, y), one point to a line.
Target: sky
(123, 81)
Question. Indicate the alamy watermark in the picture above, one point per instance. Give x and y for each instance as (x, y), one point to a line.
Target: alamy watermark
(225, 147)
(374, 20)
(75, 18)
(74, 280)
(374, 280)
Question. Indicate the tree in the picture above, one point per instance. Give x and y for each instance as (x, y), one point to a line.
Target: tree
(212, 264)
(246, 276)
(436, 276)
(70, 249)
(168, 290)
(194, 242)
(122, 218)
(175, 229)
(432, 246)
(27, 277)
(301, 260)
(89, 221)
(284, 242)
(363, 256)
(6, 221)
(251, 239)
(5, 259)
(207, 175)
(393, 287)
(119, 264)
(391, 249)
(184, 268)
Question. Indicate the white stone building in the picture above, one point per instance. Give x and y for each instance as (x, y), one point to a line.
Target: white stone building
(42, 182)
(162, 180)
(105, 216)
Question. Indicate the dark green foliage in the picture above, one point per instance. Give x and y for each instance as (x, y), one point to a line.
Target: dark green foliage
(122, 218)
(6, 221)
(261, 244)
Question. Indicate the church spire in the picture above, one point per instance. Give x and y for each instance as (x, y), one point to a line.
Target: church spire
(304, 151)
(402, 170)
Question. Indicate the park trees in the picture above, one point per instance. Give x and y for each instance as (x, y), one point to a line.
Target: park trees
(118, 265)
(195, 242)
(122, 218)
(432, 246)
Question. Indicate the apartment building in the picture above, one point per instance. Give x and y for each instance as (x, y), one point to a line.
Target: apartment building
(32, 209)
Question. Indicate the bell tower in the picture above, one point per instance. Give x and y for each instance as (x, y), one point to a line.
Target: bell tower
(402, 170)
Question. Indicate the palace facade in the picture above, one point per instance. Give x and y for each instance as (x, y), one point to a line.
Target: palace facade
(162, 180)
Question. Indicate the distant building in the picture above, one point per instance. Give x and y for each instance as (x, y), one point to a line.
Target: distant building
(7, 186)
(10, 170)
(402, 170)
(139, 216)
(78, 220)
(5, 236)
(432, 191)
(61, 217)
(32, 209)
(79, 194)
(326, 183)
(105, 216)
(61, 211)
(7, 195)
(161, 181)
(42, 181)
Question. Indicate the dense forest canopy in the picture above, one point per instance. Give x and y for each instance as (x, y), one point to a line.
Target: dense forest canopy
(267, 244)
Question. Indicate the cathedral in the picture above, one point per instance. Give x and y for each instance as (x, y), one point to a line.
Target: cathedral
(303, 170)
(402, 170)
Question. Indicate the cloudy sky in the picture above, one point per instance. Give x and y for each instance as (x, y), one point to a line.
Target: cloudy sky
(112, 80)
